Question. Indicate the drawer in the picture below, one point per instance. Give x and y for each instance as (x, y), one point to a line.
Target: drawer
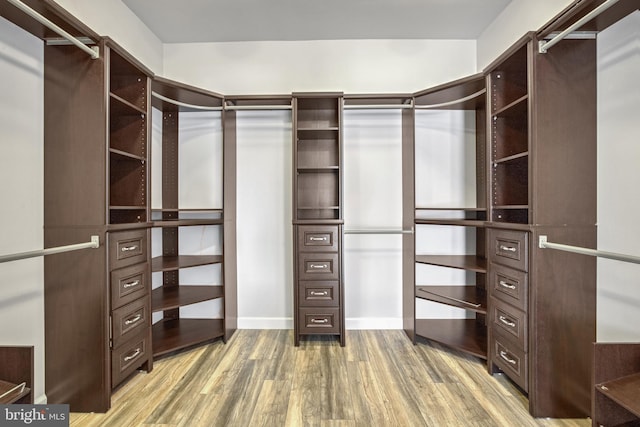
(319, 293)
(509, 285)
(509, 248)
(127, 248)
(129, 284)
(318, 238)
(509, 321)
(312, 266)
(130, 320)
(512, 360)
(129, 357)
(319, 321)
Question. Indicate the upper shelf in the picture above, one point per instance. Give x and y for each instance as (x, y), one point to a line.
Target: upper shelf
(468, 93)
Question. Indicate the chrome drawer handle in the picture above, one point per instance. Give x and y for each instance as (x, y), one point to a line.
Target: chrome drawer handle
(319, 320)
(129, 248)
(506, 357)
(317, 239)
(506, 284)
(319, 294)
(134, 355)
(131, 284)
(133, 320)
(507, 248)
(507, 322)
(319, 266)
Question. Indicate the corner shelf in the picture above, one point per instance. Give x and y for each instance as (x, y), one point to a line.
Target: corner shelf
(465, 335)
(465, 297)
(171, 335)
(12, 393)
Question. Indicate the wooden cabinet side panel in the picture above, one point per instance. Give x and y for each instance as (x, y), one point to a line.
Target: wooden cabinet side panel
(75, 138)
(562, 322)
(77, 323)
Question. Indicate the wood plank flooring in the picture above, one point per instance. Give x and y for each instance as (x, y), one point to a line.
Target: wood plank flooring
(260, 379)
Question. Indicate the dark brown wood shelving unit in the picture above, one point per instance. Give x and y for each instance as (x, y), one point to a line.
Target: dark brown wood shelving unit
(317, 215)
(174, 332)
(466, 335)
(16, 375)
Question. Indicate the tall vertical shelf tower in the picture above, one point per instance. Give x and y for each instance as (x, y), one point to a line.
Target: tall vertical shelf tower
(446, 205)
(193, 298)
(317, 215)
(543, 183)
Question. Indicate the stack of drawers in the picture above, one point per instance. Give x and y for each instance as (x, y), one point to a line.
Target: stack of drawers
(130, 303)
(318, 308)
(508, 305)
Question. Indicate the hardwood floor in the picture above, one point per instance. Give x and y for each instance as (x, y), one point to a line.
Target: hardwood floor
(260, 379)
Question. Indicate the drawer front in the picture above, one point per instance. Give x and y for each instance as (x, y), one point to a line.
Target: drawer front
(319, 321)
(509, 285)
(130, 356)
(509, 321)
(318, 294)
(510, 248)
(130, 320)
(312, 266)
(128, 284)
(127, 248)
(318, 238)
(512, 360)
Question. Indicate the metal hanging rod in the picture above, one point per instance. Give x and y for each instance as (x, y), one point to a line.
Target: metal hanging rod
(379, 231)
(544, 244)
(93, 244)
(378, 106)
(454, 102)
(184, 104)
(257, 107)
(543, 46)
(93, 51)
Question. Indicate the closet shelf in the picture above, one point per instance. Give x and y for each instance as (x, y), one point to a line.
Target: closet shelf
(309, 169)
(171, 335)
(511, 158)
(447, 221)
(513, 108)
(170, 263)
(464, 262)
(127, 156)
(121, 107)
(465, 335)
(624, 391)
(11, 392)
(187, 222)
(169, 297)
(466, 297)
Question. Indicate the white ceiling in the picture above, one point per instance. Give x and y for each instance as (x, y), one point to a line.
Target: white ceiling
(248, 20)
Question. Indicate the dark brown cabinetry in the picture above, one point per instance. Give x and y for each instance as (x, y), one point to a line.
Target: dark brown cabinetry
(16, 375)
(317, 215)
(616, 379)
(542, 180)
(176, 218)
(96, 183)
(437, 214)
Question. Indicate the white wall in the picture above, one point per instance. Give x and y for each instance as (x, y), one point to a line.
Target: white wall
(352, 66)
(519, 17)
(112, 18)
(618, 178)
(21, 192)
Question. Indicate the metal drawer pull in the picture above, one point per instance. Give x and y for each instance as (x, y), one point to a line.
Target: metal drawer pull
(319, 294)
(133, 320)
(319, 320)
(506, 357)
(129, 248)
(318, 239)
(506, 284)
(131, 284)
(507, 322)
(319, 266)
(134, 355)
(507, 248)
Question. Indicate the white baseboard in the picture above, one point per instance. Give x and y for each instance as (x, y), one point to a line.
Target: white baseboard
(40, 400)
